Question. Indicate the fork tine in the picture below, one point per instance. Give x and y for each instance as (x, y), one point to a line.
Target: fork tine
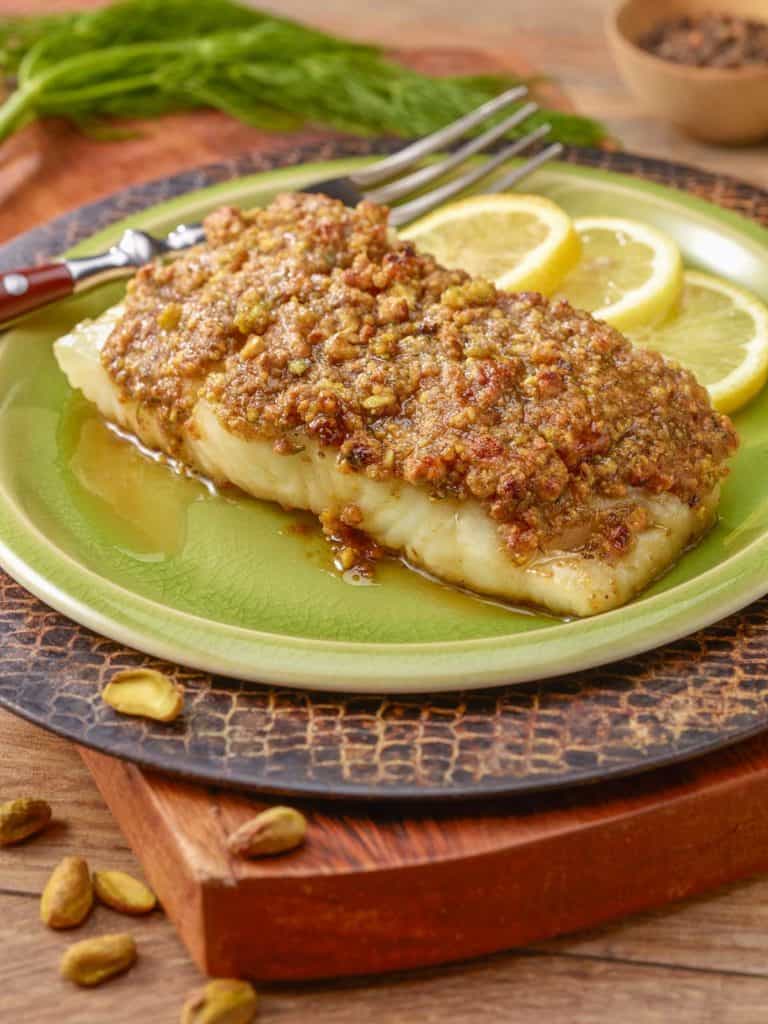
(405, 158)
(423, 204)
(402, 186)
(517, 173)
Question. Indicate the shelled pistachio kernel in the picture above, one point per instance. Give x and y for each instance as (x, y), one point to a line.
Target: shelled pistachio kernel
(223, 1001)
(123, 893)
(275, 830)
(93, 961)
(68, 894)
(22, 818)
(144, 692)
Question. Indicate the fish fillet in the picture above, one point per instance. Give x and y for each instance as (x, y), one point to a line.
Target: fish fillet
(250, 361)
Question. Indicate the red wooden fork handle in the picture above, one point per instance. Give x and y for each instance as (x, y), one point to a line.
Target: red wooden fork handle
(26, 289)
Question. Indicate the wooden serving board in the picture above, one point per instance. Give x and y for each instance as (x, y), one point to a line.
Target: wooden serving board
(377, 890)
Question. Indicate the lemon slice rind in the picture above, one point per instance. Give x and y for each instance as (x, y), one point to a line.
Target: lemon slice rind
(749, 376)
(652, 301)
(542, 268)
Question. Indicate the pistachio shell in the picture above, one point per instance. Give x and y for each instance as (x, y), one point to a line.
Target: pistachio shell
(68, 894)
(123, 893)
(95, 960)
(273, 831)
(22, 818)
(145, 692)
(223, 1001)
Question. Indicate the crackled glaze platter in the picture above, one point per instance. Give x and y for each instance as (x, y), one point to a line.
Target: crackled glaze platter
(226, 584)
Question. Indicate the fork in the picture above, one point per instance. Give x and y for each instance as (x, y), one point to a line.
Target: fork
(386, 181)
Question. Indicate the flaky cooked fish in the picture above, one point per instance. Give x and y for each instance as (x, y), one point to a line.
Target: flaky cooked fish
(513, 446)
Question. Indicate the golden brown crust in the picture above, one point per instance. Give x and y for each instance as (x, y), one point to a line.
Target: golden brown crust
(306, 320)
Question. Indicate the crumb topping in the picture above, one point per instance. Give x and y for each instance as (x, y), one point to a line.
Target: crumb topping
(308, 320)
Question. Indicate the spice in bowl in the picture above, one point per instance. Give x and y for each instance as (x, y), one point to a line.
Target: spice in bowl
(709, 41)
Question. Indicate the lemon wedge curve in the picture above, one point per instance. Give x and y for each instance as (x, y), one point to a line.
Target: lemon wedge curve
(720, 332)
(520, 242)
(629, 273)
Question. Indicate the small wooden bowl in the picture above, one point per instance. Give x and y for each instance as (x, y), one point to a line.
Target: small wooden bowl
(721, 105)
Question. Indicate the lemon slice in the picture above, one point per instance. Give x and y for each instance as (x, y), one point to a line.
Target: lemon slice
(629, 274)
(520, 242)
(720, 332)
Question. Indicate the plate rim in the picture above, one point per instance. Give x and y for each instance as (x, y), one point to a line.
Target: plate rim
(393, 794)
(446, 670)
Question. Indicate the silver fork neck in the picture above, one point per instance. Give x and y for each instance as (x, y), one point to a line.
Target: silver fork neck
(135, 249)
(104, 267)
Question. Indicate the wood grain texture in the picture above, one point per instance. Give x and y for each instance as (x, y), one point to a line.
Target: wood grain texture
(701, 962)
(380, 891)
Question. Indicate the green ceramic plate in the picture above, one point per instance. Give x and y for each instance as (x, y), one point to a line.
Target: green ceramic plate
(240, 587)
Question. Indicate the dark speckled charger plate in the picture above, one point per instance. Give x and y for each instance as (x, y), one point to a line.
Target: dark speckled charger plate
(683, 700)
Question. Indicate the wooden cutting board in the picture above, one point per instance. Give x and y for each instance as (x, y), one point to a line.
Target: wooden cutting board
(379, 890)
(373, 889)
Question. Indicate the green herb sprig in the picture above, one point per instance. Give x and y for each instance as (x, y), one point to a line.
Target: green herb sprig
(142, 58)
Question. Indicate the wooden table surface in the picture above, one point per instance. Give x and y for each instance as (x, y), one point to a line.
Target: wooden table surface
(706, 961)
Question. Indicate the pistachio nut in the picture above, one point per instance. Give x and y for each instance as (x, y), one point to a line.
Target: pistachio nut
(68, 894)
(95, 960)
(273, 831)
(124, 893)
(145, 692)
(22, 818)
(223, 1001)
